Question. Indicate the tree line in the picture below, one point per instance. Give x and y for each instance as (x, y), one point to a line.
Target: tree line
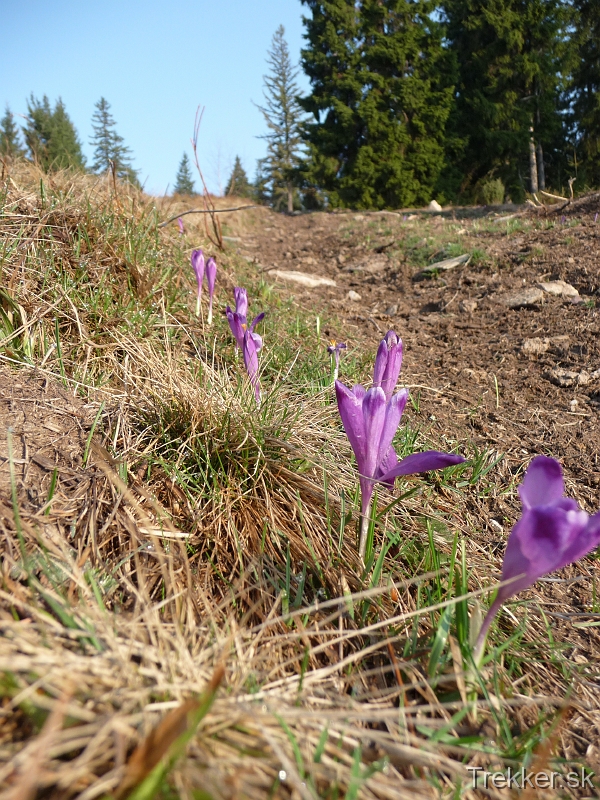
(458, 100)
(50, 139)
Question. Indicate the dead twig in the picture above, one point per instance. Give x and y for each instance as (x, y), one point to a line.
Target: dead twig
(205, 211)
(208, 203)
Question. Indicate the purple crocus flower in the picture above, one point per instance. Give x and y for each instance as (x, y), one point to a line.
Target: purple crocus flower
(238, 321)
(198, 265)
(250, 351)
(241, 301)
(388, 363)
(552, 532)
(180, 224)
(334, 351)
(370, 419)
(211, 276)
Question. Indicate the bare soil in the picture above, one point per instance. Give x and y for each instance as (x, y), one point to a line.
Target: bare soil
(519, 380)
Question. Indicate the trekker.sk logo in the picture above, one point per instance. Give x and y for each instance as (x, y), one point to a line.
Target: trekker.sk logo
(522, 779)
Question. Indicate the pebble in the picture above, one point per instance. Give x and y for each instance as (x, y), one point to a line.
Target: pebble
(467, 306)
(535, 346)
(529, 297)
(559, 288)
(312, 281)
(354, 296)
(434, 206)
(391, 310)
(566, 377)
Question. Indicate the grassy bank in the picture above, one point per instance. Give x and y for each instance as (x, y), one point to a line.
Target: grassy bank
(185, 539)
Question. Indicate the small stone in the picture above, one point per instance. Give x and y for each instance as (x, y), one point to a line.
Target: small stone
(391, 310)
(467, 306)
(529, 297)
(354, 296)
(288, 254)
(341, 258)
(559, 288)
(311, 281)
(461, 232)
(434, 206)
(570, 260)
(358, 217)
(535, 346)
(566, 377)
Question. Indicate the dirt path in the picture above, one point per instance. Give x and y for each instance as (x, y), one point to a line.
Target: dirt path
(520, 380)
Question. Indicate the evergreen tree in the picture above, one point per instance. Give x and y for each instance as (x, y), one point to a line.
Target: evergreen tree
(586, 89)
(108, 145)
(51, 136)
(184, 181)
(260, 186)
(283, 116)
(10, 143)
(238, 184)
(380, 100)
(509, 58)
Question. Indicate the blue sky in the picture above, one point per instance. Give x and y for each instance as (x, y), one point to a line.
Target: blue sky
(154, 62)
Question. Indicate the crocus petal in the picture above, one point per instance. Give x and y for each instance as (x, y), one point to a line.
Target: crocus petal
(374, 414)
(211, 275)
(258, 318)
(388, 362)
(380, 362)
(198, 266)
(359, 391)
(393, 413)
(543, 483)
(251, 362)
(392, 370)
(237, 327)
(422, 462)
(241, 301)
(386, 465)
(587, 540)
(350, 408)
(257, 339)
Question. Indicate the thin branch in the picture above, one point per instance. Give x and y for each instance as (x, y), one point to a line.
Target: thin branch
(208, 203)
(205, 211)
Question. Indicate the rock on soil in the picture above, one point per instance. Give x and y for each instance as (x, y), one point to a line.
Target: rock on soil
(528, 297)
(310, 281)
(559, 288)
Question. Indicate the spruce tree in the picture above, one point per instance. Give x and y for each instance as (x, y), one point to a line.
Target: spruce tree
(238, 184)
(108, 145)
(380, 99)
(586, 89)
(283, 116)
(51, 136)
(184, 181)
(64, 147)
(509, 57)
(10, 140)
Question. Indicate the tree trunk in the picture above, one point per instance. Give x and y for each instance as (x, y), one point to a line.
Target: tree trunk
(290, 194)
(533, 173)
(540, 167)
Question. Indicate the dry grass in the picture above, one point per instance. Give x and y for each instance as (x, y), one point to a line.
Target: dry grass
(194, 532)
